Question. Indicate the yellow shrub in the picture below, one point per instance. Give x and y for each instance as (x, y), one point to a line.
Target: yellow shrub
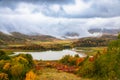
(30, 76)
(6, 66)
(21, 59)
(16, 70)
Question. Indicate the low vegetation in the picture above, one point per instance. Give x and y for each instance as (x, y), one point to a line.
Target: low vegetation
(90, 51)
(102, 66)
(40, 47)
(17, 67)
(53, 74)
(102, 63)
(71, 60)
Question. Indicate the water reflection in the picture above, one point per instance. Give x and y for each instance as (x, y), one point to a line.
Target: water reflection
(51, 55)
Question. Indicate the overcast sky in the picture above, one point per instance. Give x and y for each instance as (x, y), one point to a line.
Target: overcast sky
(56, 17)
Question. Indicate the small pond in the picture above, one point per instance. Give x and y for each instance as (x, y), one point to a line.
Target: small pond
(51, 55)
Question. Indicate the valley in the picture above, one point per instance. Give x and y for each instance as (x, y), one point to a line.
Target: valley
(44, 51)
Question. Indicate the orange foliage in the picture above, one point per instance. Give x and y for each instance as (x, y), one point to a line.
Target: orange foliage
(3, 76)
(6, 66)
(30, 76)
(79, 60)
(91, 58)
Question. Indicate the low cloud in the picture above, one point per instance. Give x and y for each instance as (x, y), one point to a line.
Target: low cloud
(57, 27)
(56, 17)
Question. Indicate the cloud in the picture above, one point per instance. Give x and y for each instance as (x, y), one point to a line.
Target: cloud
(78, 8)
(104, 8)
(56, 17)
(93, 8)
(13, 3)
(58, 27)
(64, 8)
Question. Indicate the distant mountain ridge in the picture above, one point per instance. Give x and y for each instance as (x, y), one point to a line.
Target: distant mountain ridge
(16, 37)
(22, 37)
(71, 35)
(104, 31)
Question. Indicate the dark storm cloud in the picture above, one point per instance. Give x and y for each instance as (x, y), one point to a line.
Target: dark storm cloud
(101, 8)
(68, 8)
(12, 3)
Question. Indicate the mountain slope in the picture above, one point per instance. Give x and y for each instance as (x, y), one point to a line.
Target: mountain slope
(94, 41)
(16, 37)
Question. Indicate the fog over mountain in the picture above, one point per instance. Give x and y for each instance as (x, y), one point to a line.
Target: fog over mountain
(59, 17)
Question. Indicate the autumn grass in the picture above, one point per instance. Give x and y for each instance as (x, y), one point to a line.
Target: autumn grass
(91, 50)
(53, 74)
(53, 42)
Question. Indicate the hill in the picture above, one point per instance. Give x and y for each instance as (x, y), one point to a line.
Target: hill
(94, 41)
(19, 38)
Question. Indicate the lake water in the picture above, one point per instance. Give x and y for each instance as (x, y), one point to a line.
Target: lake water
(51, 55)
